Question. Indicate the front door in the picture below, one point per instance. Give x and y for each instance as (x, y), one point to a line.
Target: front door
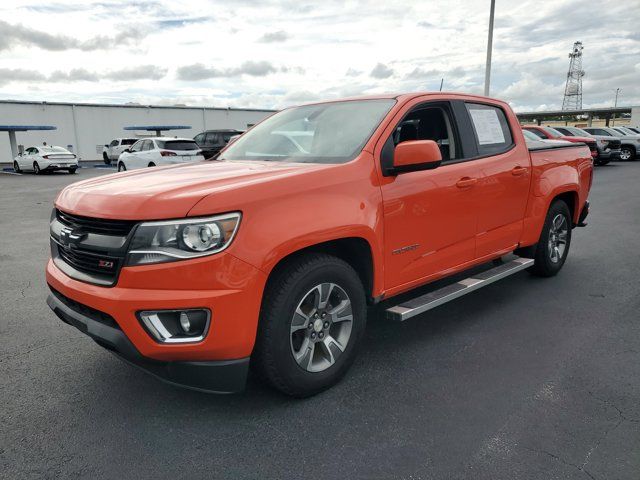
(430, 217)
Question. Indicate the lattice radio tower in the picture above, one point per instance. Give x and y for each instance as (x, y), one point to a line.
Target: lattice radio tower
(573, 90)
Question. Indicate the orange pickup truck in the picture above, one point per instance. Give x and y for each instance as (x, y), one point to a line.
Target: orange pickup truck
(269, 255)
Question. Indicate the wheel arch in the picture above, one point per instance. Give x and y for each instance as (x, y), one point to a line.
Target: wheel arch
(356, 251)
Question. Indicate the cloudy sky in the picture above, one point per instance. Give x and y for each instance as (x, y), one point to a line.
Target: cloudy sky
(271, 53)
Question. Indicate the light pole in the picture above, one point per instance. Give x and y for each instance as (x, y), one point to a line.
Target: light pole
(487, 70)
(615, 105)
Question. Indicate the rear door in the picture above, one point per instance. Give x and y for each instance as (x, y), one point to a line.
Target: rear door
(430, 216)
(503, 189)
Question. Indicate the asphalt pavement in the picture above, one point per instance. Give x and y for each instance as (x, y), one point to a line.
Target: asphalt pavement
(527, 378)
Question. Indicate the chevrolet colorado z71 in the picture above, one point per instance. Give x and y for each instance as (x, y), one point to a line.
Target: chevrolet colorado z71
(270, 254)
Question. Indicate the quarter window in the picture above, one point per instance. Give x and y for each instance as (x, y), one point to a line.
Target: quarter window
(491, 129)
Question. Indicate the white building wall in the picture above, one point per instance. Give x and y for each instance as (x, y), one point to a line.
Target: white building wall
(635, 117)
(88, 127)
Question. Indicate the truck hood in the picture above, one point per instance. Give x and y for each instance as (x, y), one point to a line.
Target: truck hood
(168, 192)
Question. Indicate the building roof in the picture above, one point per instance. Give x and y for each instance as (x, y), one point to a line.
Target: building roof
(25, 128)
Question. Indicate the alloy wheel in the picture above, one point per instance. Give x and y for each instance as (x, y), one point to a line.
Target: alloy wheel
(558, 238)
(321, 327)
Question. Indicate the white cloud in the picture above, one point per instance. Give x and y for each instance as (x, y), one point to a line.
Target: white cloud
(274, 53)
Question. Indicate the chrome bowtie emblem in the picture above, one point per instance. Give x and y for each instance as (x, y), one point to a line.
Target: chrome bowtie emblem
(68, 236)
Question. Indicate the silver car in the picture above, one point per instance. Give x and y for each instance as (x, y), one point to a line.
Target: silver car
(630, 144)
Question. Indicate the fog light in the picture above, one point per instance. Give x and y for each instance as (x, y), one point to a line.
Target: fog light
(176, 326)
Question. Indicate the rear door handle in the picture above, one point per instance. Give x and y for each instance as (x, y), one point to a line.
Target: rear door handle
(466, 182)
(518, 171)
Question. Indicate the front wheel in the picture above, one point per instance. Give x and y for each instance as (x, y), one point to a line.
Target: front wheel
(16, 167)
(72, 171)
(105, 157)
(627, 153)
(553, 247)
(151, 164)
(601, 163)
(311, 324)
(122, 167)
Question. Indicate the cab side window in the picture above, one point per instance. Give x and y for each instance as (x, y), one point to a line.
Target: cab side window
(114, 143)
(199, 139)
(431, 121)
(491, 129)
(136, 146)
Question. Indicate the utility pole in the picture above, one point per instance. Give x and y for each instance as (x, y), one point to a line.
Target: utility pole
(441, 83)
(487, 70)
(615, 105)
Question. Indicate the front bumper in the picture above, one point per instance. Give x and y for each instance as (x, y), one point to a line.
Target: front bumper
(228, 287)
(226, 376)
(609, 155)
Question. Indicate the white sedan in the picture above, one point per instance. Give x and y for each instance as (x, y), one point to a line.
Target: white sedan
(45, 158)
(152, 152)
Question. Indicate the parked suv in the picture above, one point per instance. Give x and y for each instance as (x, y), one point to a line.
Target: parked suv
(113, 150)
(608, 146)
(158, 151)
(212, 141)
(629, 144)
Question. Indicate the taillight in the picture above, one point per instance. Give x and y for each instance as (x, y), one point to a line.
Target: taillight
(165, 153)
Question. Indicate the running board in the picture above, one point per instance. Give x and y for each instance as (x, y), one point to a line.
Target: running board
(430, 300)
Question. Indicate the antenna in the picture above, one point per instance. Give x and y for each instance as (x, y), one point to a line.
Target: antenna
(573, 90)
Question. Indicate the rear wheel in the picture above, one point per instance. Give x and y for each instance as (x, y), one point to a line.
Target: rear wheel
(627, 152)
(311, 323)
(106, 158)
(36, 168)
(553, 247)
(122, 167)
(16, 167)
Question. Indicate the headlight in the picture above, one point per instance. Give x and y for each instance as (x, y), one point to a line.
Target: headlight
(171, 240)
(604, 143)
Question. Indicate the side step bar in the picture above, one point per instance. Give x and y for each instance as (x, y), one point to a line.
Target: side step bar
(430, 300)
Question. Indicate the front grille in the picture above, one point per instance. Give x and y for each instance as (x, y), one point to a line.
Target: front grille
(614, 144)
(92, 263)
(85, 310)
(96, 225)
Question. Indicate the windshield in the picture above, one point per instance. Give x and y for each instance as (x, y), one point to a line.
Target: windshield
(128, 141)
(552, 131)
(578, 132)
(323, 133)
(178, 145)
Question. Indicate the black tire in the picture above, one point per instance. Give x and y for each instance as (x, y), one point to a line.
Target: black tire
(72, 170)
(151, 164)
(601, 163)
(36, 168)
(105, 157)
(544, 265)
(122, 167)
(273, 356)
(627, 153)
(16, 167)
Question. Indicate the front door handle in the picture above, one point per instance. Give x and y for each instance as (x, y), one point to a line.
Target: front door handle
(466, 182)
(518, 171)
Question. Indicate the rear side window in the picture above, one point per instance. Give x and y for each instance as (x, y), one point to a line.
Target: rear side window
(199, 139)
(491, 129)
(564, 131)
(178, 145)
(212, 138)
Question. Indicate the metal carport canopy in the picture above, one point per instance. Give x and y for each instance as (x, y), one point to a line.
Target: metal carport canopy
(12, 129)
(158, 128)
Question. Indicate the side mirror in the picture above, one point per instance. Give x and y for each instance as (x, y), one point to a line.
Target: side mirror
(128, 150)
(106, 145)
(416, 155)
